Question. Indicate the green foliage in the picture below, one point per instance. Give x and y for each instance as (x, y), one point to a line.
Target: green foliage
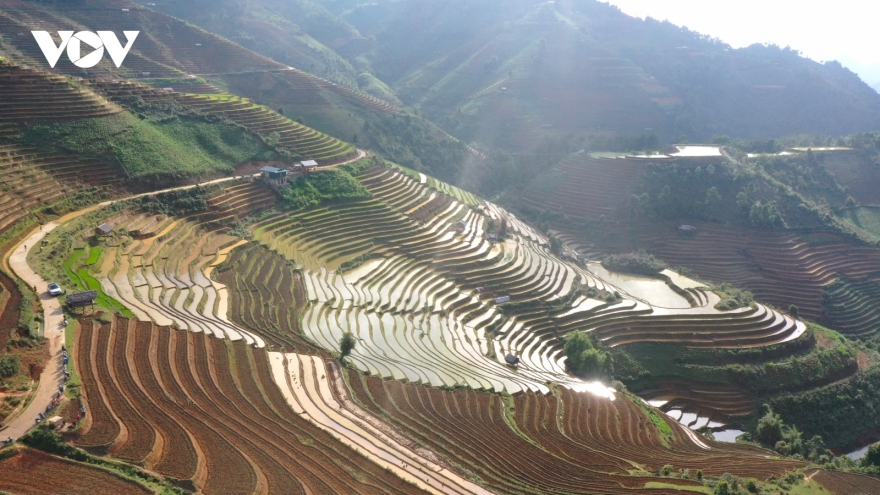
(839, 412)
(175, 148)
(769, 430)
(872, 456)
(555, 245)
(47, 440)
(773, 433)
(346, 344)
(180, 202)
(732, 297)
(9, 365)
(584, 359)
(413, 142)
(639, 262)
(317, 187)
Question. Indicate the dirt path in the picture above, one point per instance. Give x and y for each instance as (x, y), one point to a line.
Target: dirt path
(53, 330)
(53, 315)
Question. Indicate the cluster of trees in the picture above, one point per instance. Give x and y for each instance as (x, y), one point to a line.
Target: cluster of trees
(178, 203)
(773, 433)
(823, 365)
(413, 142)
(9, 365)
(317, 187)
(733, 298)
(840, 412)
(639, 262)
(585, 358)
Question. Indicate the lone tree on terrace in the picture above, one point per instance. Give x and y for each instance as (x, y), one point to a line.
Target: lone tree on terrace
(584, 359)
(346, 345)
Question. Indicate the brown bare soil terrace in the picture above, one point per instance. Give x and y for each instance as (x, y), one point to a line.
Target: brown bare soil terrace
(31, 95)
(207, 410)
(31, 472)
(588, 187)
(846, 483)
(780, 268)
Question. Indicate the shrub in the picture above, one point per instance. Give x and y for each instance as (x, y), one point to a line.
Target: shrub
(45, 439)
(769, 431)
(9, 365)
(640, 262)
(872, 456)
(346, 344)
(317, 187)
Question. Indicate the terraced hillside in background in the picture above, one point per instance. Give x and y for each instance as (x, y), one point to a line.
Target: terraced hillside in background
(828, 279)
(165, 48)
(584, 187)
(266, 124)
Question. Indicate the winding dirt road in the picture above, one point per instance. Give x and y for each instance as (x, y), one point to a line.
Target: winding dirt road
(53, 315)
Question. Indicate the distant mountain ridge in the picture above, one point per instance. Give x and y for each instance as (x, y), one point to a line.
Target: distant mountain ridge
(507, 74)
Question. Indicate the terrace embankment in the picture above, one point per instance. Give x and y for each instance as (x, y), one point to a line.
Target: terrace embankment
(780, 268)
(567, 442)
(213, 415)
(31, 472)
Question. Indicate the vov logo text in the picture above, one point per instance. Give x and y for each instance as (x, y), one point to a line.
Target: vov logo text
(73, 43)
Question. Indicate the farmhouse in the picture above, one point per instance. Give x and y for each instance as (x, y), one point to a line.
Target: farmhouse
(511, 360)
(273, 175)
(82, 299)
(103, 229)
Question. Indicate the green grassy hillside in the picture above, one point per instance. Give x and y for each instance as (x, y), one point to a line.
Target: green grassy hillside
(175, 148)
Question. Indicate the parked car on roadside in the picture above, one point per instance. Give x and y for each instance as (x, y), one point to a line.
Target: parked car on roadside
(54, 289)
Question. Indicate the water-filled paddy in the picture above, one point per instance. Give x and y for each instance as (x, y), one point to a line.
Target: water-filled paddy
(645, 288)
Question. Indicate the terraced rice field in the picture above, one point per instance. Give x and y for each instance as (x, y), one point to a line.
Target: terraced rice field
(31, 472)
(197, 408)
(29, 178)
(591, 448)
(415, 308)
(587, 187)
(779, 268)
(164, 275)
(207, 411)
(264, 122)
(845, 483)
(28, 94)
(413, 274)
(311, 82)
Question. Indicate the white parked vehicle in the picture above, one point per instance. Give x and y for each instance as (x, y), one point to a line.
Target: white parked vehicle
(54, 289)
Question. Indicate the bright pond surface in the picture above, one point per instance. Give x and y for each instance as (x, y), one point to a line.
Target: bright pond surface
(728, 436)
(645, 288)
